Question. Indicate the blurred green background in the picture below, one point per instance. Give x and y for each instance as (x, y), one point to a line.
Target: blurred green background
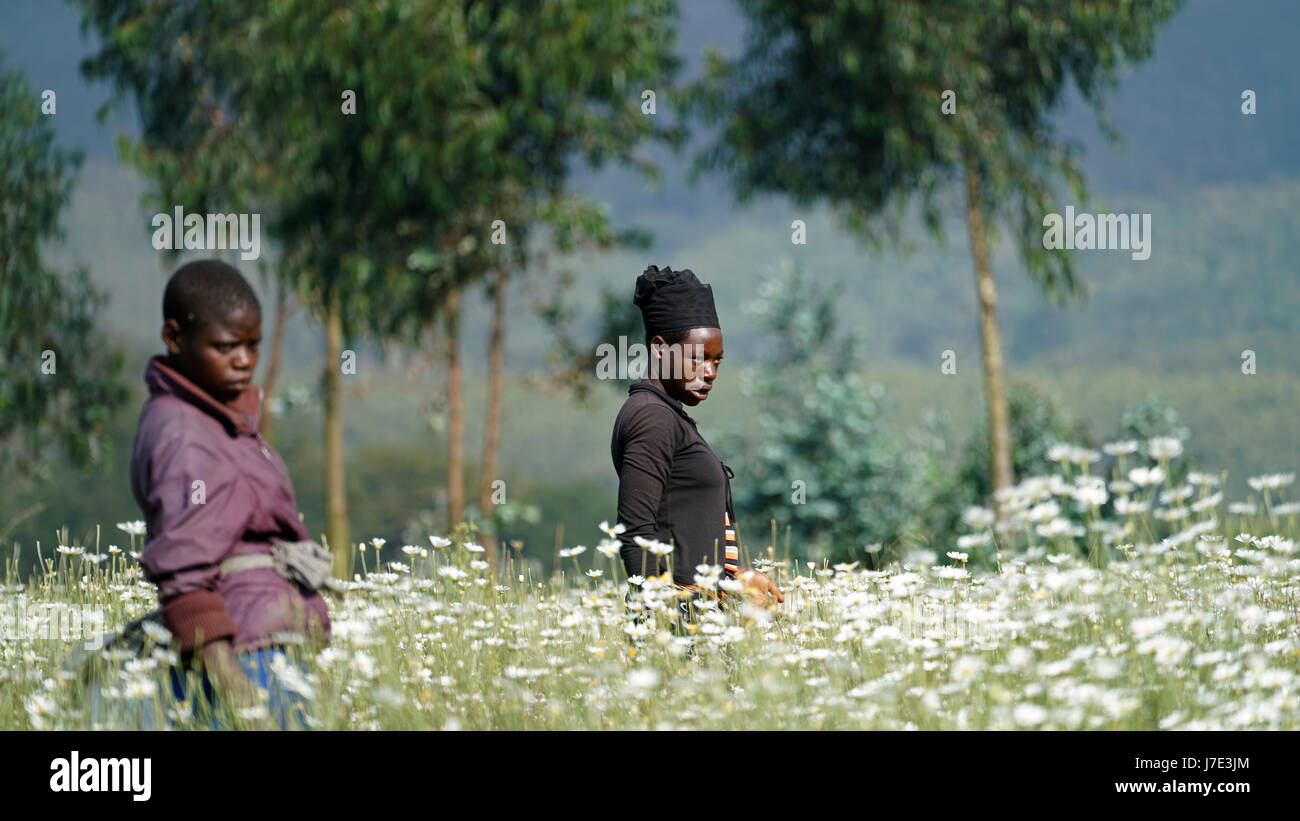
(1222, 188)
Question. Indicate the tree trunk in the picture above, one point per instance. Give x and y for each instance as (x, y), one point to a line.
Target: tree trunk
(492, 428)
(273, 366)
(991, 340)
(336, 500)
(455, 417)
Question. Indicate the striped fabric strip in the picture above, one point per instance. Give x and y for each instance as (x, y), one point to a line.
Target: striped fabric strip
(719, 595)
(731, 557)
(731, 560)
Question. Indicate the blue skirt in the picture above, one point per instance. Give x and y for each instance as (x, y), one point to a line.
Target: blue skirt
(179, 690)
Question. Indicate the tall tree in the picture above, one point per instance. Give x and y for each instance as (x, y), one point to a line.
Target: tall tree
(495, 401)
(269, 384)
(565, 84)
(390, 129)
(849, 103)
(193, 151)
(61, 382)
(357, 128)
(455, 413)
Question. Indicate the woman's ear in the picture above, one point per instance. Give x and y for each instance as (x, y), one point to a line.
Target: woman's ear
(171, 336)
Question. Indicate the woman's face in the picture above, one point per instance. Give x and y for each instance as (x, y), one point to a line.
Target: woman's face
(688, 368)
(219, 357)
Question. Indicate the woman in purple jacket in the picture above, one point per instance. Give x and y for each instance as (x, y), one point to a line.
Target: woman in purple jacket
(215, 495)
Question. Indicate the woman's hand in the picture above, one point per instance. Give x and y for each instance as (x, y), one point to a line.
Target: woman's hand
(223, 669)
(759, 588)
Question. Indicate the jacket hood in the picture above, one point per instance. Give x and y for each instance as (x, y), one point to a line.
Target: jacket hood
(243, 416)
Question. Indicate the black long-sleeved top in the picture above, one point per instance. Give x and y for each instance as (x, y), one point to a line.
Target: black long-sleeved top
(672, 487)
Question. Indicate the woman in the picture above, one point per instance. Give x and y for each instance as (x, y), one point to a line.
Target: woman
(237, 574)
(672, 487)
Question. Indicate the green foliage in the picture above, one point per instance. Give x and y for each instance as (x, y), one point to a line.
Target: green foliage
(566, 82)
(841, 102)
(1038, 420)
(1149, 418)
(195, 148)
(824, 462)
(61, 382)
(464, 114)
(574, 361)
(1153, 418)
(249, 112)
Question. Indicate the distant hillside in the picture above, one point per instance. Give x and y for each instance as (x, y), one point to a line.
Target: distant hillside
(1221, 278)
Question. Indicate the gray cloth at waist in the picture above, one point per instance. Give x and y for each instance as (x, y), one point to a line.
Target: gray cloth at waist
(306, 563)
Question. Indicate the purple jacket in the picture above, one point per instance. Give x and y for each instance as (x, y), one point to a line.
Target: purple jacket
(211, 487)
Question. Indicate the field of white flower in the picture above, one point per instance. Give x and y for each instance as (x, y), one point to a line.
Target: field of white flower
(1169, 612)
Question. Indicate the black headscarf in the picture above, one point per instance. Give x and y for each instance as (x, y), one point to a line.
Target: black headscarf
(674, 301)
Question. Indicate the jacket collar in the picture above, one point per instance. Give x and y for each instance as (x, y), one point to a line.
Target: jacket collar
(243, 416)
(668, 400)
(677, 406)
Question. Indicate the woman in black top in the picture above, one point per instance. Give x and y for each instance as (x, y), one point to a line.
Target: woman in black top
(672, 487)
